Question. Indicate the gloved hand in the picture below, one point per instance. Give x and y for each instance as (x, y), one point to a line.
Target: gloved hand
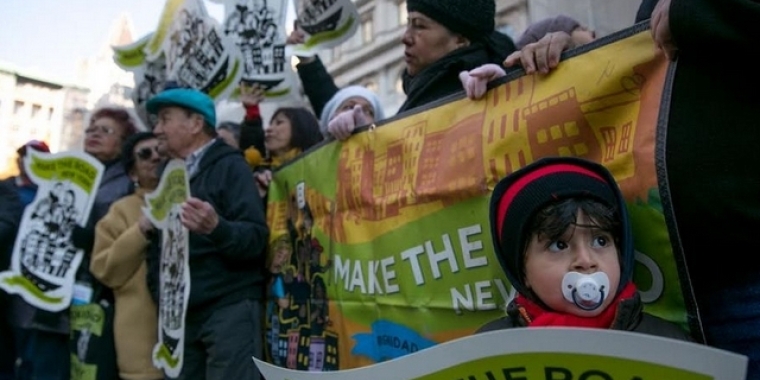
(343, 125)
(475, 81)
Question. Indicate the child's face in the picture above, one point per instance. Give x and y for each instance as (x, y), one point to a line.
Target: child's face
(581, 249)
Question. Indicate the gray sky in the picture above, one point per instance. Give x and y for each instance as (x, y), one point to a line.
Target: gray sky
(50, 36)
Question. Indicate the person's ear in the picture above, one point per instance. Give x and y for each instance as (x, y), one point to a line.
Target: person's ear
(197, 122)
(462, 41)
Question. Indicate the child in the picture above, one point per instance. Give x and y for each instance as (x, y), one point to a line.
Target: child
(561, 232)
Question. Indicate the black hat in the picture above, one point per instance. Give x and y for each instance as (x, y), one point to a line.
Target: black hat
(520, 195)
(473, 19)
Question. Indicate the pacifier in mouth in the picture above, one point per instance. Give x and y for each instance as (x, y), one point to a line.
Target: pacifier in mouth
(587, 291)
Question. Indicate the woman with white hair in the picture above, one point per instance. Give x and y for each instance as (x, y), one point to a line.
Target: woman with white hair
(327, 100)
(363, 104)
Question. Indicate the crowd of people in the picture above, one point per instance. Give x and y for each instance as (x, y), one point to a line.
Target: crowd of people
(567, 214)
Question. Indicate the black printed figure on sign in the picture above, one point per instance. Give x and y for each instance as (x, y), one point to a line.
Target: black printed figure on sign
(255, 29)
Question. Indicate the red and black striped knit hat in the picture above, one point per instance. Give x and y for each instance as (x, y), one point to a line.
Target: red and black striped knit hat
(520, 195)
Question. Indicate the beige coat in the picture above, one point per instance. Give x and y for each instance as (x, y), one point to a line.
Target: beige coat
(118, 261)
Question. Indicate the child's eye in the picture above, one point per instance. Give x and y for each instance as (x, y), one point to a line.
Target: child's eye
(600, 241)
(557, 246)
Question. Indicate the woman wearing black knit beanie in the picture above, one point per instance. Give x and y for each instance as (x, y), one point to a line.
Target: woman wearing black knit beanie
(444, 38)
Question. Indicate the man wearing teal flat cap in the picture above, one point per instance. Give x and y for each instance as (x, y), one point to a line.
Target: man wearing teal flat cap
(228, 234)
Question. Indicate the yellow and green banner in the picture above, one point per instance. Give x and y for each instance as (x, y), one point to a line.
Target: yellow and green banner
(546, 354)
(381, 245)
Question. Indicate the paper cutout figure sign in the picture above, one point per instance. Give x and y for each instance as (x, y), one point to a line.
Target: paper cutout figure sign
(163, 210)
(45, 261)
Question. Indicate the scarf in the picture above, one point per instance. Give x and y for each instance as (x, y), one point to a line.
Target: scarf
(441, 78)
(537, 316)
(281, 159)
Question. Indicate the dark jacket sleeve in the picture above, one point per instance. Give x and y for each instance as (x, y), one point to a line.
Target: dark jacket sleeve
(645, 10)
(702, 26)
(252, 133)
(242, 231)
(10, 217)
(153, 263)
(318, 84)
(83, 238)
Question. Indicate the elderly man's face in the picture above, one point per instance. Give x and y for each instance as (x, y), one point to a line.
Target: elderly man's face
(175, 129)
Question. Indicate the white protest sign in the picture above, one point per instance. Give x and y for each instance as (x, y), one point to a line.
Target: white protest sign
(163, 210)
(45, 261)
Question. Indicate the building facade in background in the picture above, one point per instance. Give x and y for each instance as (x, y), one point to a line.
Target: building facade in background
(34, 106)
(76, 111)
(31, 107)
(108, 83)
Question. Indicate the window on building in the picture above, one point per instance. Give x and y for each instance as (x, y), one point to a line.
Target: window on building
(50, 113)
(18, 106)
(402, 14)
(368, 28)
(36, 109)
(355, 42)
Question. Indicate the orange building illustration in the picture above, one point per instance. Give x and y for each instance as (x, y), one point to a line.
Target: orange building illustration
(421, 167)
(559, 126)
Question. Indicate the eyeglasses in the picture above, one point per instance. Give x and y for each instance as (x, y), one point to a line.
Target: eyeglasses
(146, 153)
(100, 128)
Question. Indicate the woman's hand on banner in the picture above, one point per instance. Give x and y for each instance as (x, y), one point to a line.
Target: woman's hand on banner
(541, 56)
(199, 216)
(475, 81)
(660, 26)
